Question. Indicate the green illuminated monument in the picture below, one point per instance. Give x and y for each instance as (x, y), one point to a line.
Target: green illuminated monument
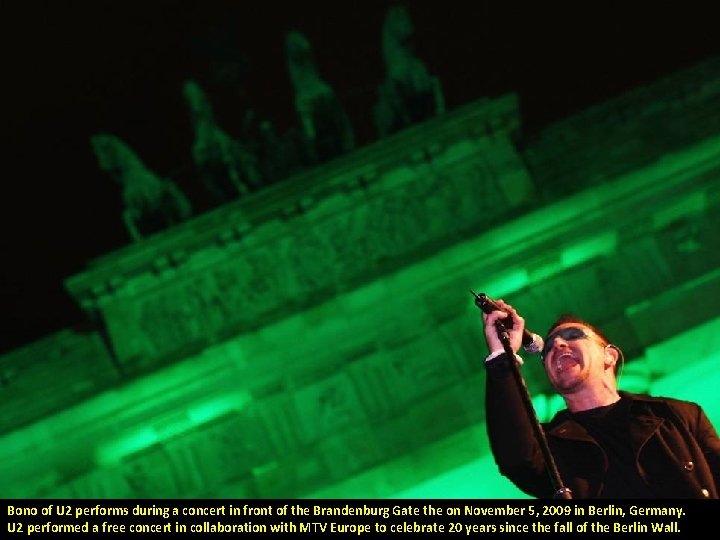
(316, 338)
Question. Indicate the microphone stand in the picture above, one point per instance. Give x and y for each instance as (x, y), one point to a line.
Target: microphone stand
(561, 492)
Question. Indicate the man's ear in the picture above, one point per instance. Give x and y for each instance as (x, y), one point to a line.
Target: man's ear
(611, 355)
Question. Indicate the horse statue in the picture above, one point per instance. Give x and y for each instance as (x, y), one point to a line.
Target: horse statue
(227, 167)
(409, 94)
(325, 126)
(151, 203)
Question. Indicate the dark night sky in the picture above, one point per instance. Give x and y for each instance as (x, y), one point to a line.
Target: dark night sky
(73, 68)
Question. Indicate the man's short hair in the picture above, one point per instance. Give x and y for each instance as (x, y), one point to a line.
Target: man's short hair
(569, 318)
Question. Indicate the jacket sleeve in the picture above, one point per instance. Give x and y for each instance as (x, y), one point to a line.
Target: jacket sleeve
(510, 431)
(709, 442)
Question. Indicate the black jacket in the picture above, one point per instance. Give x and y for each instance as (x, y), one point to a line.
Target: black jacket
(676, 444)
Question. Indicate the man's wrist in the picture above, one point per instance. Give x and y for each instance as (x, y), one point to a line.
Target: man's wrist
(494, 354)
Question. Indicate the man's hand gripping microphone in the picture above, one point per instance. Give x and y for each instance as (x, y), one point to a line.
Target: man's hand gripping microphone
(532, 343)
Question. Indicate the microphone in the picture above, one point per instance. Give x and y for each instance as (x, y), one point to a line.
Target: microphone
(532, 343)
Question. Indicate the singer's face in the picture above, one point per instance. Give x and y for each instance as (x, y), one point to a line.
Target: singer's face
(574, 358)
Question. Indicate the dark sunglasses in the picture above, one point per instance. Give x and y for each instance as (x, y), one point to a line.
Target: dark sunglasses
(571, 333)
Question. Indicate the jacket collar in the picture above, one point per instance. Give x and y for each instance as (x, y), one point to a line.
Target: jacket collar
(645, 423)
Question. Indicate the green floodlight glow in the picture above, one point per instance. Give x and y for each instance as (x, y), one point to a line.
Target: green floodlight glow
(206, 411)
(144, 436)
(634, 376)
(507, 283)
(697, 378)
(112, 452)
(588, 249)
(547, 405)
(697, 382)
(691, 204)
(477, 479)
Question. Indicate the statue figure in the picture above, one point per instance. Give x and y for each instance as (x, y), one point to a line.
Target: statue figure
(151, 203)
(277, 154)
(227, 168)
(409, 93)
(325, 127)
